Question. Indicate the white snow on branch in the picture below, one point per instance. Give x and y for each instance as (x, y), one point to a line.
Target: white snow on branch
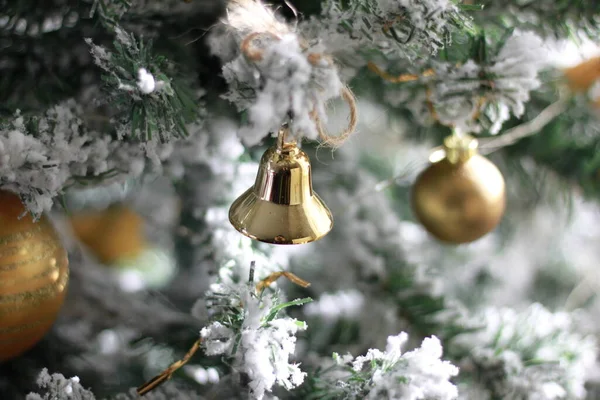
(285, 80)
(57, 387)
(262, 345)
(146, 82)
(37, 165)
(538, 353)
(417, 375)
(397, 28)
(334, 306)
(477, 97)
(41, 156)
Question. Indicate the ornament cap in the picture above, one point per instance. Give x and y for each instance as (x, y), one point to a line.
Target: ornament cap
(461, 196)
(460, 147)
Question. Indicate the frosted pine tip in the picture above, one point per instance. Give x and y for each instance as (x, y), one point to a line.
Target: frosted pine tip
(145, 82)
(262, 285)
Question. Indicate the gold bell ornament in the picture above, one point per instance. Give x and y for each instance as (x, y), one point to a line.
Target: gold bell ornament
(34, 273)
(281, 207)
(461, 196)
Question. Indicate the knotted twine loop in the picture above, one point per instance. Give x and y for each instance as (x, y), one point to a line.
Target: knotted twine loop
(254, 54)
(402, 78)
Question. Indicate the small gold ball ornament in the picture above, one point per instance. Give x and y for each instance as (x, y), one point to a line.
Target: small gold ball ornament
(460, 197)
(113, 234)
(33, 277)
(582, 76)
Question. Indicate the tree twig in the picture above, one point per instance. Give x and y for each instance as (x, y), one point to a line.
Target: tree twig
(524, 130)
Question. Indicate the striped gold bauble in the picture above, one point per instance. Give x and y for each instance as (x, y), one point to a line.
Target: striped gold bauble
(33, 277)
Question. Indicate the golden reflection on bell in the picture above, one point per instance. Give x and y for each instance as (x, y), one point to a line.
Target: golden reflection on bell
(281, 207)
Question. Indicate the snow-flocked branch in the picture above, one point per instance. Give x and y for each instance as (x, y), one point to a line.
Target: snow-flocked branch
(274, 75)
(397, 29)
(246, 328)
(149, 105)
(532, 354)
(478, 95)
(419, 374)
(57, 387)
(553, 18)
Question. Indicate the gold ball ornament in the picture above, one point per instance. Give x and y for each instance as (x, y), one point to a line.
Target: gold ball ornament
(582, 76)
(112, 235)
(33, 277)
(460, 197)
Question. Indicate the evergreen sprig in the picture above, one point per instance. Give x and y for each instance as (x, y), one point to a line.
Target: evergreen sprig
(110, 11)
(558, 18)
(159, 111)
(411, 24)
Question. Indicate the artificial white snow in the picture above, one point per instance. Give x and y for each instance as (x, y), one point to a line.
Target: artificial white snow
(261, 349)
(282, 84)
(517, 66)
(475, 97)
(146, 83)
(39, 165)
(334, 306)
(100, 54)
(347, 28)
(538, 351)
(57, 387)
(415, 375)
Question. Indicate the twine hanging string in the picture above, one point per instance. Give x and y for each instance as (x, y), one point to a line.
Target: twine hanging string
(254, 54)
(403, 78)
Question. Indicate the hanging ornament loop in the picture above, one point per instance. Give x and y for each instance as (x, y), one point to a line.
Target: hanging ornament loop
(255, 55)
(282, 136)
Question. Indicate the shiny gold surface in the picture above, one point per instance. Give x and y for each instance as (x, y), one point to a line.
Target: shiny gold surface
(459, 201)
(33, 277)
(459, 148)
(282, 208)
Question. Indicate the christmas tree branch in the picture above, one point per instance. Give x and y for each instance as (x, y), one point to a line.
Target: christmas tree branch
(526, 129)
(489, 145)
(272, 311)
(150, 105)
(558, 18)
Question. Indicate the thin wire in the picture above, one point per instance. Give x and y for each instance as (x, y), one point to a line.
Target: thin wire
(337, 141)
